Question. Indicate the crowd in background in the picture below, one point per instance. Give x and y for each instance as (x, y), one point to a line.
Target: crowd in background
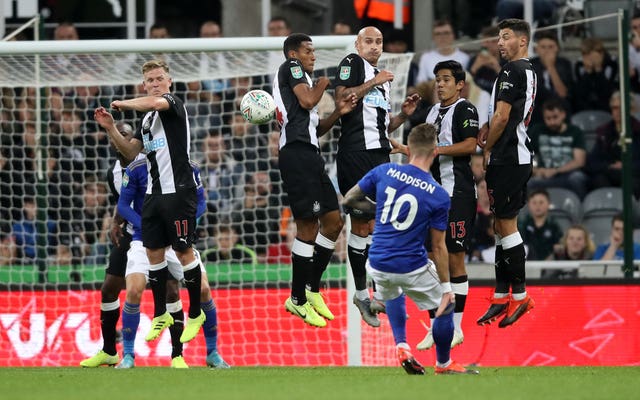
(247, 219)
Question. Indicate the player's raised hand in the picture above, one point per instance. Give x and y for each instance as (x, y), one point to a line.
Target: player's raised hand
(323, 81)
(446, 304)
(398, 148)
(346, 104)
(384, 76)
(410, 103)
(103, 117)
(116, 105)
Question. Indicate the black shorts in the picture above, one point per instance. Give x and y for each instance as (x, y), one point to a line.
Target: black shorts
(169, 219)
(310, 191)
(462, 216)
(353, 165)
(118, 256)
(507, 188)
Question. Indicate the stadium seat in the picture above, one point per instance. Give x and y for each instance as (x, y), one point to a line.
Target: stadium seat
(603, 201)
(565, 203)
(605, 29)
(590, 120)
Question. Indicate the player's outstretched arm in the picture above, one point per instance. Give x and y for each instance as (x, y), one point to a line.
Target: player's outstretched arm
(360, 90)
(357, 199)
(409, 106)
(343, 105)
(141, 104)
(128, 148)
(308, 96)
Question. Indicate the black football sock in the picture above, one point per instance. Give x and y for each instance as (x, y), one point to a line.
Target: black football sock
(193, 281)
(109, 315)
(158, 282)
(502, 273)
(357, 253)
(175, 331)
(302, 265)
(322, 252)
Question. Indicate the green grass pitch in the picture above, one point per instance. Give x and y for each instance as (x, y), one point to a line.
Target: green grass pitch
(325, 383)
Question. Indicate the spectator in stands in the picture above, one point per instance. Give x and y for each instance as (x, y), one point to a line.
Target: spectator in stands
(65, 31)
(542, 10)
(485, 66)
(341, 28)
(7, 245)
(257, 214)
(604, 161)
(159, 31)
(210, 90)
(443, 40)
(280, 253)
(596, 77)
(25, 231)
(84, 237)
(634, 52)
(396, 42)
(246, 145)
(614, 249)
(554, 73)
(75, 148)
(560, 152)
(232, 97)
(228, 248)
(540, 232)
(272, 167)
(576, 244)
(277, 26)
(221, 174)
(478, 97)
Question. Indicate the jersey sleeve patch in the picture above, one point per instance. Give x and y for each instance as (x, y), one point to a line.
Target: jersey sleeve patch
(296, 72)
(345, 72)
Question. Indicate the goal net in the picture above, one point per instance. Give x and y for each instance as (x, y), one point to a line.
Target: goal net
(56, 206)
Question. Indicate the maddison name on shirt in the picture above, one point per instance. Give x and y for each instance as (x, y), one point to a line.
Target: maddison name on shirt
(411, 180)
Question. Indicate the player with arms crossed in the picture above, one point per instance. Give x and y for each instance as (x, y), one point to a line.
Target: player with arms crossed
(114, 280)
(311, 194)
(456, 121)
(134, 186)
(507, 160)
(169, 210)
(364, 144)
(410, 205)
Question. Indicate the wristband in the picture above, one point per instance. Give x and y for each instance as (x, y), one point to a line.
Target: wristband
(446, 287)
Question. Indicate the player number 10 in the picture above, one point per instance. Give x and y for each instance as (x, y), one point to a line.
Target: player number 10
(393, 205)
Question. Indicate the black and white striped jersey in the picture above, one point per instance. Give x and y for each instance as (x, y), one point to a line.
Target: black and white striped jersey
(166, 137)
(516, 84)
(454, 123)
(296, 123)
(364, 128)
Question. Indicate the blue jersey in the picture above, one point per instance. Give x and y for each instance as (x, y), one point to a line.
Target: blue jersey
(134, 187)
(408, 203)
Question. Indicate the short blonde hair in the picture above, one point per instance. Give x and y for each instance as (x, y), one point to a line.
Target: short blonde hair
(153, 64)
(422, 140)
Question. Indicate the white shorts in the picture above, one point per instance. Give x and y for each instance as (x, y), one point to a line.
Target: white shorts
(422, 285)
(137, 261)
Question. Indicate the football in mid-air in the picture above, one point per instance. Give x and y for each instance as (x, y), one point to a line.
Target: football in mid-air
(258, 107)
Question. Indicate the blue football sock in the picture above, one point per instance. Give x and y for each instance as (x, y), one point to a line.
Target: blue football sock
(442, 331)
(130, 322)
(396, 310)
(210, 326)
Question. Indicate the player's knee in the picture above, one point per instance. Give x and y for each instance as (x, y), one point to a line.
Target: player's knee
(134, 295)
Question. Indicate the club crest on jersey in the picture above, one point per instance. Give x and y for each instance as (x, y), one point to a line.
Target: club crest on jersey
(296, 72)
(316, 207)
(345, 73)
(125, 179)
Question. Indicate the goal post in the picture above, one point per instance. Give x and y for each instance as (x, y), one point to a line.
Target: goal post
(58, 304)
